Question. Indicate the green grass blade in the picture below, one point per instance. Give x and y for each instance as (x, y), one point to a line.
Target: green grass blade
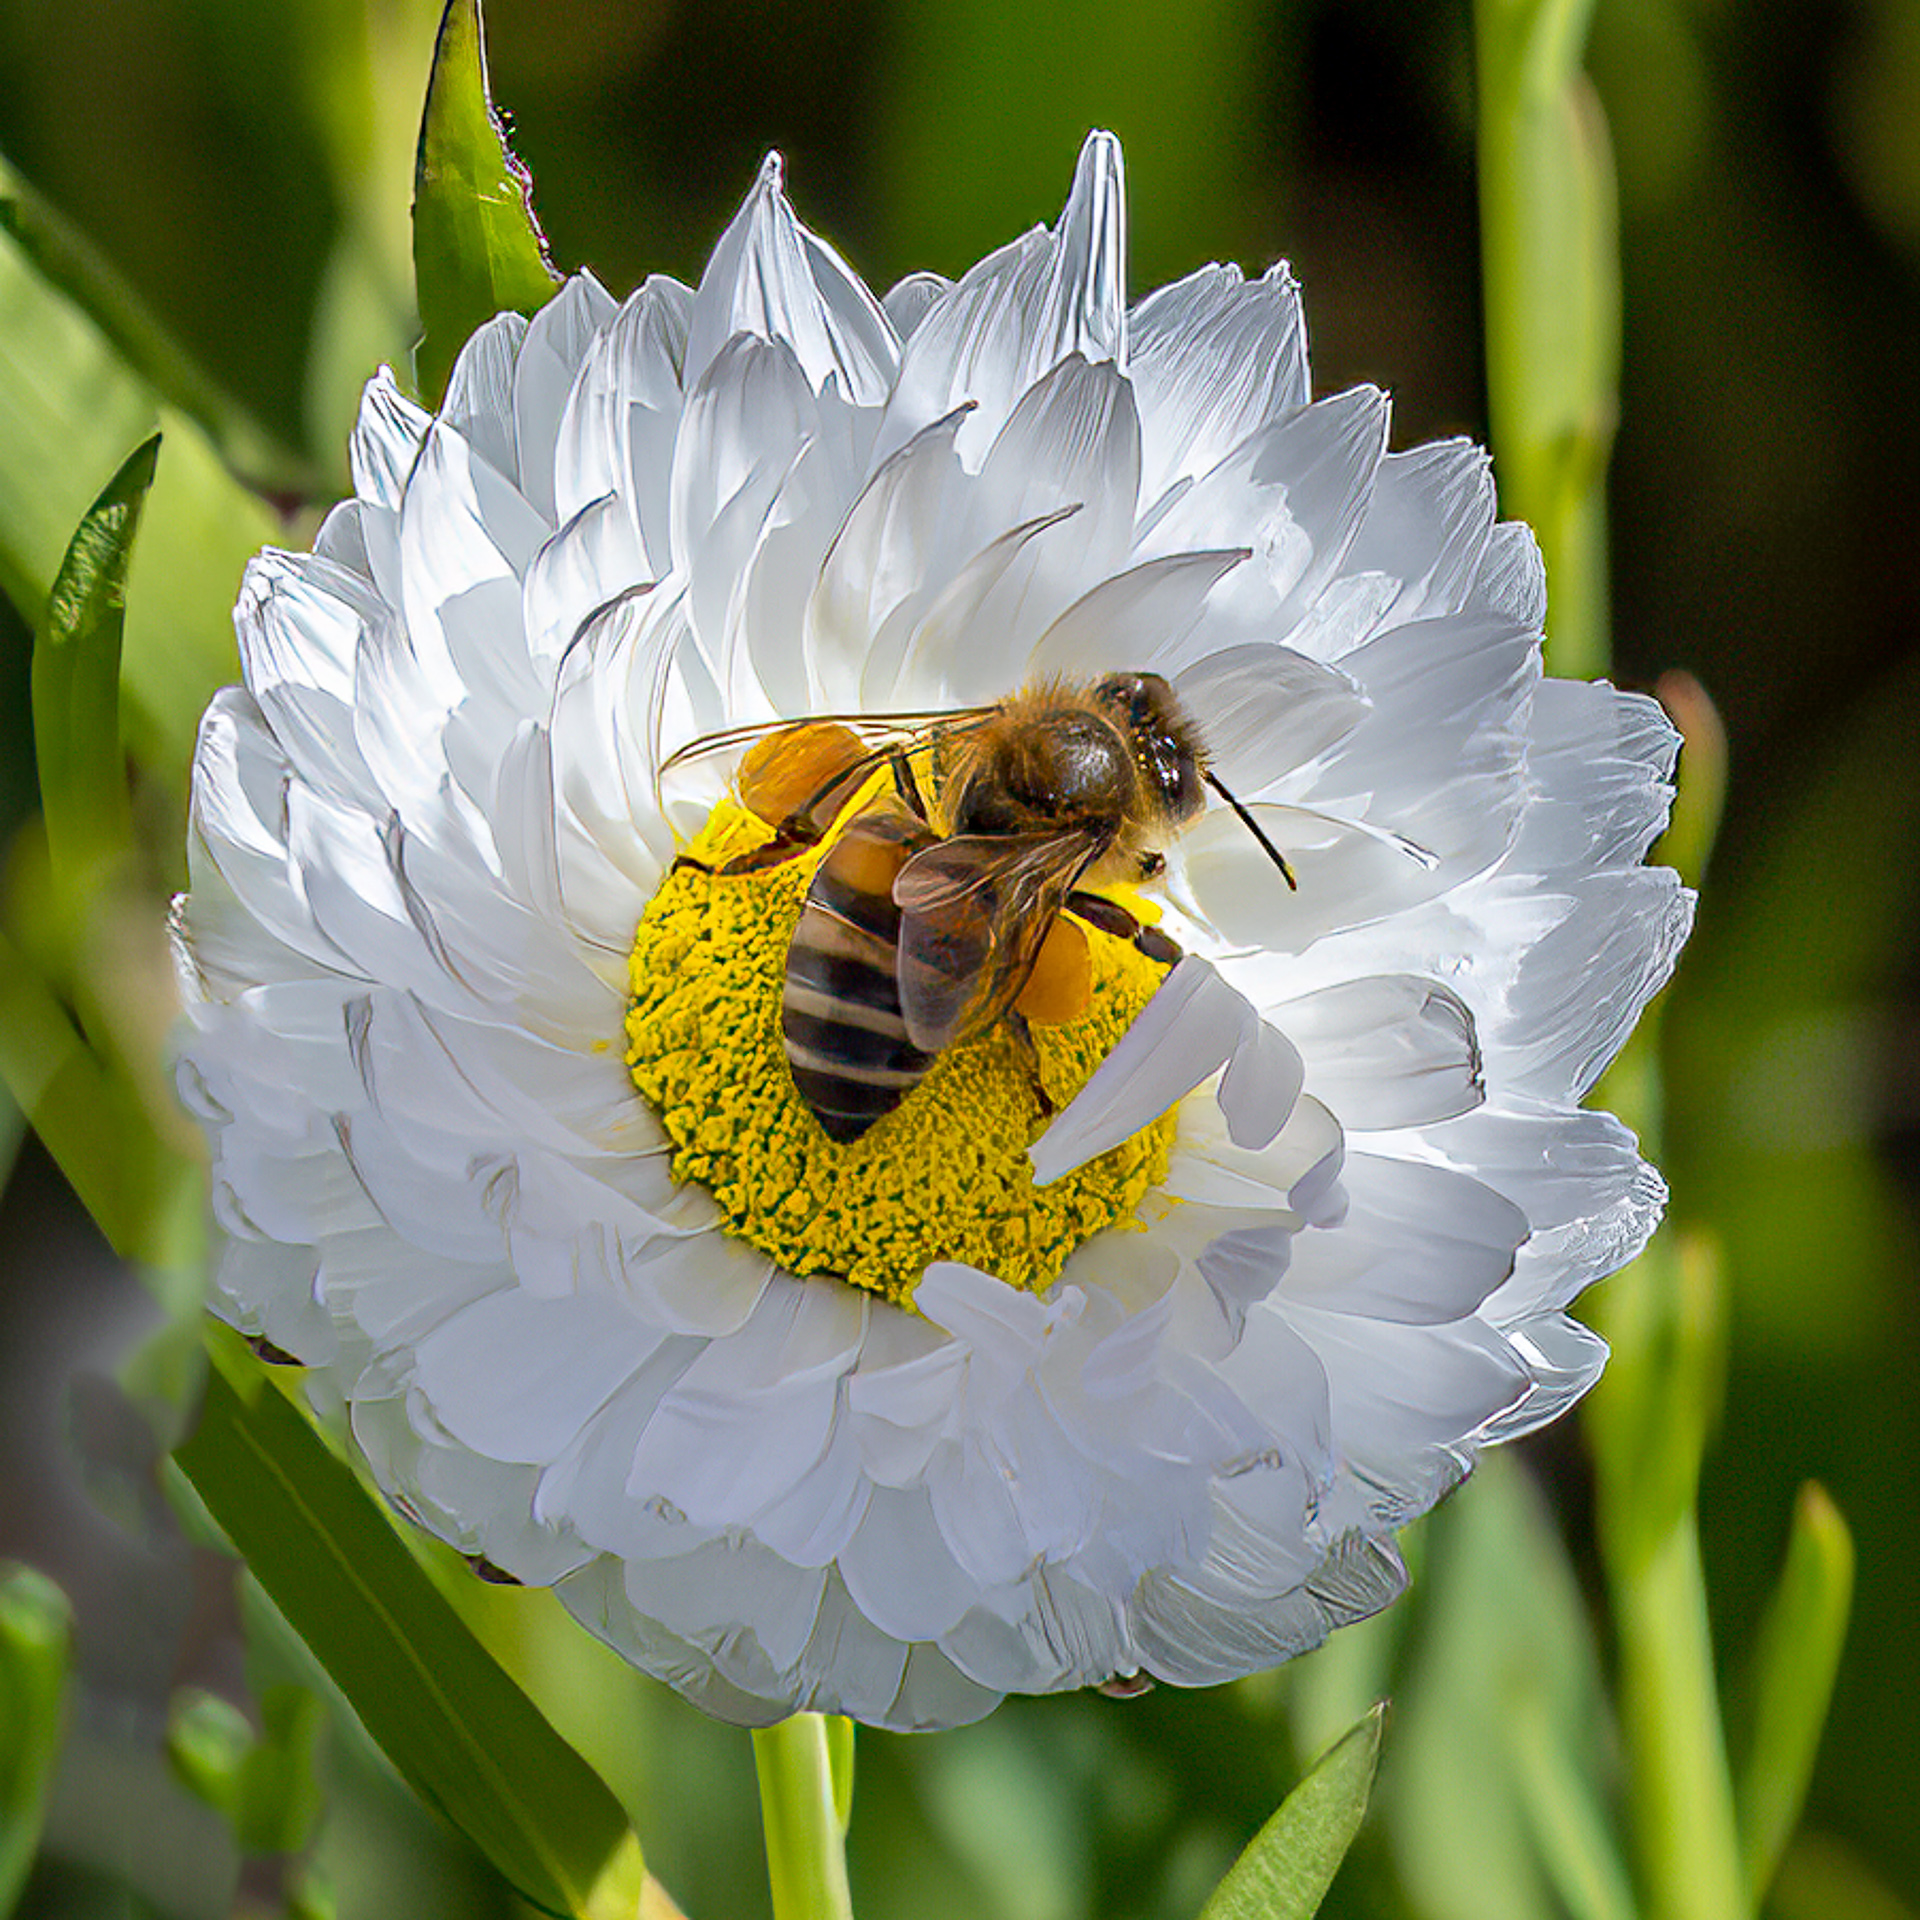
(453, 1722)
(1507, 1675)
(76, 682)
(36, 1643)
(477, 248)
(70, 411)
(80, 271)
(87, 1115)
(1794, 1668)
(1285, 1873)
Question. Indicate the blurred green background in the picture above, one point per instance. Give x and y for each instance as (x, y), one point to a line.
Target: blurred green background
(243, 173)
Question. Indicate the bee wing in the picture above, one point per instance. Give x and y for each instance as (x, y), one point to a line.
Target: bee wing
(881, 731)
(975, 911)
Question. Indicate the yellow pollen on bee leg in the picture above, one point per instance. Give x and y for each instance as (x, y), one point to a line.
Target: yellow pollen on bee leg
(943, 1177)
(1061, 983)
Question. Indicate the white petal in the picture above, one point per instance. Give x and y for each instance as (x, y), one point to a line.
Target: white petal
(1019, 313)
(771, 278)
(1212, 359)
(879, 559)
(1420, 1244)
(570, 1356)
(479, 402)
(299, 620)
(1581, 988)
(1299, 486)
(616, 436)
(543, 373)
(1133, 618)
(1193, 1025)
(900, 1571)
(1266, 711)
(595, 558)
(1390, 1051)
(1192, 1638)
(1427, 526)
(907, 301)
(386, 441)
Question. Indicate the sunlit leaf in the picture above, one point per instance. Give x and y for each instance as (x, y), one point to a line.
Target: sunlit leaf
(208, 1740)
(457, 1727)
(76, 681)
(477, 248)
(1285, 1873)
(1795, 1665)
(36, 1645)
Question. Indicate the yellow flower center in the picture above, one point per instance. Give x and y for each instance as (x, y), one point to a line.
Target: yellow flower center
(945, 1176)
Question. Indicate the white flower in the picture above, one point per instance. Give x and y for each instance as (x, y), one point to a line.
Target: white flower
(425, 833)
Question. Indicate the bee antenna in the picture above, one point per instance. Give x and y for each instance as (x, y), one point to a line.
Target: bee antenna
(1252, 825)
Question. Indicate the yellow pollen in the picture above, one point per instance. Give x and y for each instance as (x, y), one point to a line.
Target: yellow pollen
(945, 1176)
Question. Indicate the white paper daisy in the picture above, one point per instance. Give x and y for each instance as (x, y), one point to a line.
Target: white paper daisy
(1084, 1358)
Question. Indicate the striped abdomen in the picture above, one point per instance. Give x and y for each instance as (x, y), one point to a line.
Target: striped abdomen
(840, 1019)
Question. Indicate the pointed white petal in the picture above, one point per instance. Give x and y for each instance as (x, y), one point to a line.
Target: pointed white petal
(771, 278)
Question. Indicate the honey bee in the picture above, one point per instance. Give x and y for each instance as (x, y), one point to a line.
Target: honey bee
(935, 904)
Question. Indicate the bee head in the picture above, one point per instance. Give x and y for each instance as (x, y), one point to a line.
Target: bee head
(1165, 742)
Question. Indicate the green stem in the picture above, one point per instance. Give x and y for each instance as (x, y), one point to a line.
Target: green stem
(806, 1857)
(1550, 262)
(1688, 1843)
(1549, 237)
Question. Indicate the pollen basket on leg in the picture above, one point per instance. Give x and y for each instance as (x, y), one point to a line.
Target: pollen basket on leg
(944, 1176)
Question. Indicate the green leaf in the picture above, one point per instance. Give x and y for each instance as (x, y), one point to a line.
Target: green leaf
(279, 1803)
(477, 248)
(456, 1726)
(76, 682)
(36, 1644)
(70, 408)
(76, 267)
(1285, 1873)
(264, 1784)
(1507, 1672)
(208, 1741)
(1795, 1663)
(89, 1117)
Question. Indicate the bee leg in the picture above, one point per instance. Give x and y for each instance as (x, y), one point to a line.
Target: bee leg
(1108, 915)
(686, 862)
(1111, 917)
(1158, 947)
(782, 847)
(905, 785)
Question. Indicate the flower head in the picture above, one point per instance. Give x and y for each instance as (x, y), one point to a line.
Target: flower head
(1178, 1267)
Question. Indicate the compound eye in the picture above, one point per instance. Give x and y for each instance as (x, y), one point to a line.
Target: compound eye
(1142, 697)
